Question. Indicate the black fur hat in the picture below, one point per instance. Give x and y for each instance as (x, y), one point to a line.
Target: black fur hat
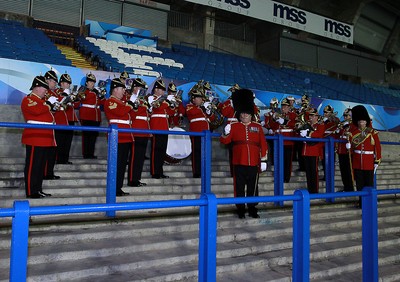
(358, 113)
(243, 101)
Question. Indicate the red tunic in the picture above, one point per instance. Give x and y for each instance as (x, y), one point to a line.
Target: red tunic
(344, 136)
(366, 148)
(249, 144)
(36, 111)
(176, 114)
(314, 149)
(117, 112)
(159, 115)
(140, 119)
(227, 110)
(70, 111)
(60, 116)
(90, 106)
(198, 120)
(287, 128)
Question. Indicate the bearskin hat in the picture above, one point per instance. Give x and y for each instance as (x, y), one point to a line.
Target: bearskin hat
(358, 113)
(243, 101)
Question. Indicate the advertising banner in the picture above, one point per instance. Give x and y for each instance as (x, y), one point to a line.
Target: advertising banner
(285, 15)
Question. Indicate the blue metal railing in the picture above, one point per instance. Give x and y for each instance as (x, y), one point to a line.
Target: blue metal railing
(208, 208)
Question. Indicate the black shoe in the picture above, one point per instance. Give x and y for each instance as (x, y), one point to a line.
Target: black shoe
(51, 177)
(241, 214)
(254, 215)
(90, 157)
(164, 176)
(43, 194)
(36, 196)
(136, 184)
(122, 193)
(156, 176)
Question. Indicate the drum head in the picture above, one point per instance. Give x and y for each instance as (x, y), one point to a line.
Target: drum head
(179, 147)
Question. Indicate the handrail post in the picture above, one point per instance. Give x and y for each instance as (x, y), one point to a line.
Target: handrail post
(208, 239)
(278, 168)
(301, 237)
(19, 241)
(370, 235)
(330, 167)
(206, 149)
(112, 168)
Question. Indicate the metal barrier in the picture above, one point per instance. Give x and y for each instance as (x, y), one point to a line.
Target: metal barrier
(208, 209)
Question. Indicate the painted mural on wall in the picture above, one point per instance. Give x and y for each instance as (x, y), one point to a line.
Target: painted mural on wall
(16, 78)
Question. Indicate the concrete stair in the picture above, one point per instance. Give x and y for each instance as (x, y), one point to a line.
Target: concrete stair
(77, 59)
(162, 245)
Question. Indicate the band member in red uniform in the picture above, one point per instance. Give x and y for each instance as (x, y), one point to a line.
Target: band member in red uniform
(343, 131)
(38, 142)
(64, 117)
(177, 114)
(140, 120)
(118, 112)
(60, 119)
(228, 112)
(249, 149)
(286, 121)
(159, 112)
(271, 126)
(312, 150)
(331, 122)
(199, 115)
(90, 115)
(365, 147)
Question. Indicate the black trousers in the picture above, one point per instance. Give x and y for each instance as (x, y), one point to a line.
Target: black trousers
(64, 141)
(311, 166)
(196, 155)
(122, 159)
(363, 178)
(245, 176)
(35, 162)
(51, 161)
(158, 153)
(298, 147)
(136, 159)
(287, 162)
(345, 172)
(89, 138)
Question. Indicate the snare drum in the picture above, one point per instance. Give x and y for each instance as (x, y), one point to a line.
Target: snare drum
(179, 147)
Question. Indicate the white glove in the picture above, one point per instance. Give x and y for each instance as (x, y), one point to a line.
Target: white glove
(337, 130)
(227, 129)
(262, 123)
(67, 91)
(263, 166)
(280, 120)
(304, 132)
(270, 132)
(150, 109)
(52, 100)
(171, 98)
(150, 99)
(133, 98)
(348, 145)
(207, 105)
(325, 119)
(208, 112)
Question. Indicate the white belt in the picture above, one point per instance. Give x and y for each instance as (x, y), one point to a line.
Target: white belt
(90, 106)
(122, 121)
(285, 130)
(363, 152)
(232, 119)
(39, 122)
(159, 115)
(198, 119)
(142, 118)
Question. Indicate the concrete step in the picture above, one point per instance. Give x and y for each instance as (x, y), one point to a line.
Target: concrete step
(99, 250)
